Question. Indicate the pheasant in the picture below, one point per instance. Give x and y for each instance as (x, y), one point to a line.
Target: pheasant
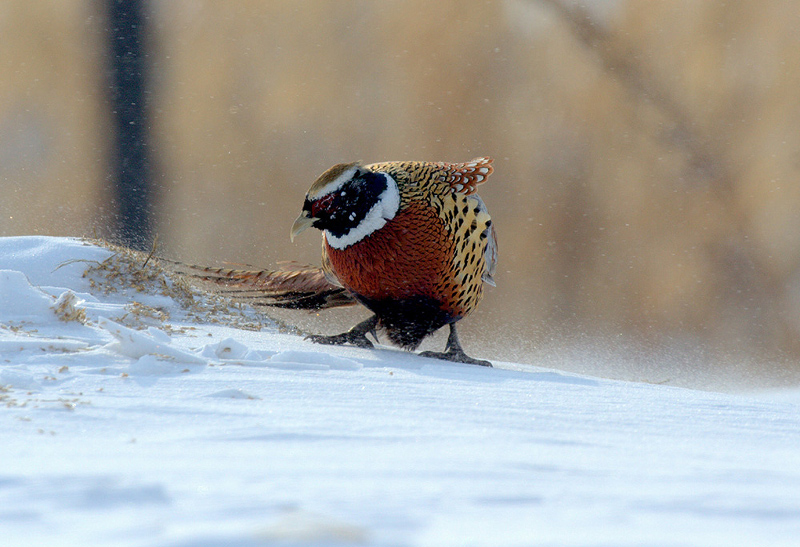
(411, 241)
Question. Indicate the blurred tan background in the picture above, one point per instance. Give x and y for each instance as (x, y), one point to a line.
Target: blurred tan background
(646, 154)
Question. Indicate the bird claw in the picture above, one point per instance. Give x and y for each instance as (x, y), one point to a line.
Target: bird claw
(454, 353)
(456, 357)
(356, 336)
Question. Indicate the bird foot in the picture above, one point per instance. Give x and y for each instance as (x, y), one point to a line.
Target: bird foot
(356, 336)
(456, 357)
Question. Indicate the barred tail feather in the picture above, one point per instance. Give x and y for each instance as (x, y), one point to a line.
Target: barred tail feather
(305, 288)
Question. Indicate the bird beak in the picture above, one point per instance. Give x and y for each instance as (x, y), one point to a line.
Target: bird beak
(302, 222)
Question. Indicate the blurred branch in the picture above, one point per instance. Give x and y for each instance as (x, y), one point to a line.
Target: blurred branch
(741, 260)
(621, 63)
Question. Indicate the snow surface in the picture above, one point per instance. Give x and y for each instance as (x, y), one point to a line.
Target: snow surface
(136, 415)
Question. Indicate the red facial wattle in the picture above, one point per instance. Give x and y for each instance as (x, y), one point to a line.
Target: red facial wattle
(322, 204)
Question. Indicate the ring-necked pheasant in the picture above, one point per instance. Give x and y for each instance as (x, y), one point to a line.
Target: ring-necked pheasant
(411, 241)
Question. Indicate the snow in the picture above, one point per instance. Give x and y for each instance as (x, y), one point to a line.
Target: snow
(137, 413)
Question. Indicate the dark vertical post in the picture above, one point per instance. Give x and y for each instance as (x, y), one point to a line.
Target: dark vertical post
(130, 164)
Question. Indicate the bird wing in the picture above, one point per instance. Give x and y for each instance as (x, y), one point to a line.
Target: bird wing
(420, 176)
(465, 177)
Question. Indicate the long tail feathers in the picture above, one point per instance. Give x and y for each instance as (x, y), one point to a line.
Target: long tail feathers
(303, 288)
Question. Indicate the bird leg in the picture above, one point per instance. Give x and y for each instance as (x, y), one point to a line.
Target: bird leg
(356, 336)
(454, 352)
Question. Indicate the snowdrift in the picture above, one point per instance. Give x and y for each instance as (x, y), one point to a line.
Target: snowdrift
(139, 411)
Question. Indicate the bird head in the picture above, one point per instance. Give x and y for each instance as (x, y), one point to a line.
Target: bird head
(348, 202)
